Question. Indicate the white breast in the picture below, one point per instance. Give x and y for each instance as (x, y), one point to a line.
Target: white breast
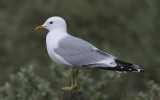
(52, 42)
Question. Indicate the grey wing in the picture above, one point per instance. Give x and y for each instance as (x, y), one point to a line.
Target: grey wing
(79, 52)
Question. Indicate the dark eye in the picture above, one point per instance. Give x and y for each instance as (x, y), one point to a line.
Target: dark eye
(51, 22)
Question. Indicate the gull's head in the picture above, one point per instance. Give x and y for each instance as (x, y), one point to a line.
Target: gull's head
(53, 23)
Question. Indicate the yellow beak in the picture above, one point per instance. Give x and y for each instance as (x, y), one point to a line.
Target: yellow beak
(39, 27)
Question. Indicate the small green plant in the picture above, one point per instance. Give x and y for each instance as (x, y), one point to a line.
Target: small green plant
(153, 92)
(25, 85)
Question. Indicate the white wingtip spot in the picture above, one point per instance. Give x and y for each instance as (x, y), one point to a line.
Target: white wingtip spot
(138, 70)
(121, 67)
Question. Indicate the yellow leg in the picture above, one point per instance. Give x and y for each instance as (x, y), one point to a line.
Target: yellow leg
(76, 78)
(73, 82)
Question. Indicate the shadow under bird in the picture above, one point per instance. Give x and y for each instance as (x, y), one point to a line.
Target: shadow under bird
(76, 53)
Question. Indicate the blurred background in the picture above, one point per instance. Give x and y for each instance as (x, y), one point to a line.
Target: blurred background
(128, 29)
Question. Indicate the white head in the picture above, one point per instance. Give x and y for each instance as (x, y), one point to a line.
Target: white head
(53, 23)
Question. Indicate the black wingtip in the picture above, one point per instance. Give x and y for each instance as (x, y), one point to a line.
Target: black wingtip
(124, 67)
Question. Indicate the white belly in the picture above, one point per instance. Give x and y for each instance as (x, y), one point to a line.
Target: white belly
(52, 41)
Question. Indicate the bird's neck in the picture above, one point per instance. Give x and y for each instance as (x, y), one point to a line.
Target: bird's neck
(53, 37)
(58, 30)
